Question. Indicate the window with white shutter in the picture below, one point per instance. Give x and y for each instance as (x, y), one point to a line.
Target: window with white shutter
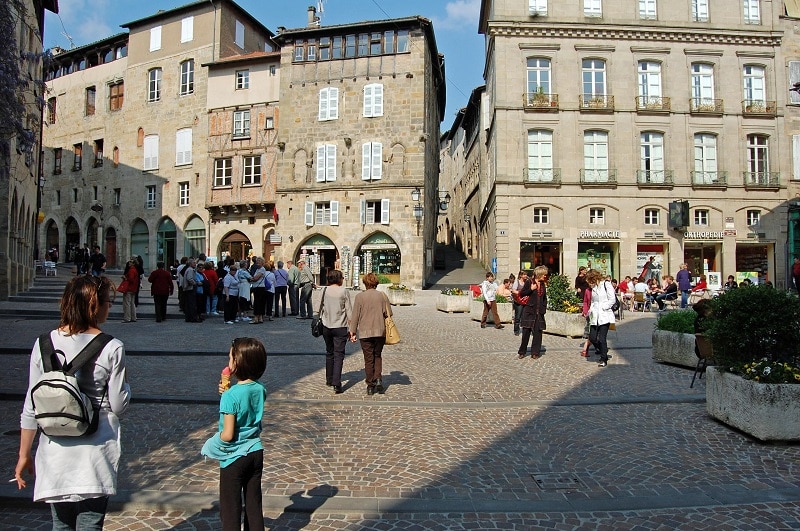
(183, 147)
(187, 29)
(334, 212)
(371, 159)
(239, 37)
(309, 214)
(373, 100)
(155, 38)
(328, 104)
(326, 163)
(384, 211)
(796, 157)
(794, 77)
(150, 152)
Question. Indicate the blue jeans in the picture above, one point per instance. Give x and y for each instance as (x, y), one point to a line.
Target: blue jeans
(86, 515)
(684, 298)
(211, 304)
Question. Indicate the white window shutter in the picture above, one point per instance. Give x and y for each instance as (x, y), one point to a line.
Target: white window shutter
(796, 157)
(377, 160)
(333, 103)
(366, 158)
(309, 214)
(323, 104)
(368, 100)
(151, 152)
(187, 29)
(155, 38)
(362, 212)
(377, 100)
(330, 162)
(794, 77)
(239, 36)
(321, 164)
(384, 211)
(334, 212)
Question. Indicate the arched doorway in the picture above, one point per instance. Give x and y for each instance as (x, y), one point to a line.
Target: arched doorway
(73, 234)
(111, 247)
(166, 239)
(91, 233)
(320, 255)
(140, 241)
(51, 235)
(194, 240)
(236, 245)
(379, 254)
(270, 244)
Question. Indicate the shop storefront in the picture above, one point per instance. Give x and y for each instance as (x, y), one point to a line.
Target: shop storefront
(599, 249)
(757, 259)
(702, 252)
(380, 254)
(320, 256)
(536, 253)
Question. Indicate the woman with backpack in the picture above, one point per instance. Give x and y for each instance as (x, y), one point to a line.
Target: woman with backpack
(77, 474)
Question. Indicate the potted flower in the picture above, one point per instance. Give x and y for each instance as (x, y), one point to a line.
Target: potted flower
(673, 338)
(563, 316)
(453, 300)
(505, 310)
(755, 385)
(400, 295)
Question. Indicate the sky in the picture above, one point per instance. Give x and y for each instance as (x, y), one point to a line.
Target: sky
(455, 24)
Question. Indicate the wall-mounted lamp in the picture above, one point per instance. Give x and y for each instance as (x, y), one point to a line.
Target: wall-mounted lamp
(282, 146)
(415, 194)
(418, 215)
(348, 141)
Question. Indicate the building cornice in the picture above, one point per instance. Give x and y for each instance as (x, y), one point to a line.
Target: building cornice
(636, 33)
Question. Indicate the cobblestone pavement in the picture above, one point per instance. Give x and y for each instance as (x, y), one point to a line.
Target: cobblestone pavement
(466, 437)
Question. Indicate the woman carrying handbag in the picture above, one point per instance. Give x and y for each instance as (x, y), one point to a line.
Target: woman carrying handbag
(335, 316)
(371, 309)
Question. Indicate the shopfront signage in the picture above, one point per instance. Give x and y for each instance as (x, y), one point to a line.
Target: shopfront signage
(704, 235)
(599, 234)
(730, 232)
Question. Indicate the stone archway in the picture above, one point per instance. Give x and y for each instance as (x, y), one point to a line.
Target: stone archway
(236, 245)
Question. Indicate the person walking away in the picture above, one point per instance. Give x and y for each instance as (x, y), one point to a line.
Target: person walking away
(518, 303)
(237, 443)
(684, 283)
(533, 321)
(600, 313)
(294, 298)
(161, 289)
(131, 286)
(370, 308)
(189, 292)
(77, 475)
(97, 261)
(258, 290)
(244, 277)
(281, 289)
(231, 290)
(489, 290)
(80, 260)
(336, 312)
(306, 283)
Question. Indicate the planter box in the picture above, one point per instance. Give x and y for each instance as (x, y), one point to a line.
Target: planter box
(564, 324)
(452, 303)
(768, 412)
(675, 348)
(505, 311)
(399, 297)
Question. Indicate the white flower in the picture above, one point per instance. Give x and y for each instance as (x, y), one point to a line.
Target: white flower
(767, 370)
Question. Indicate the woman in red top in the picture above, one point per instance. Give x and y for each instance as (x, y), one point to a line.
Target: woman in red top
(129, 286)
(701, 284)
(161, 288)
(213, 279)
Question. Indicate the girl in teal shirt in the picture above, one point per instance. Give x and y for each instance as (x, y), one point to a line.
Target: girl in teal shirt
(237, 445)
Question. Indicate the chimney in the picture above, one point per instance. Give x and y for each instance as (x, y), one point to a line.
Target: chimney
(313, 20)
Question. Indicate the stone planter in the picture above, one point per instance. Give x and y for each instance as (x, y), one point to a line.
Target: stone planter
(399, 297)
(564, 324)
(674, 347)
(505, 311)
(452, 303)
(768, 412)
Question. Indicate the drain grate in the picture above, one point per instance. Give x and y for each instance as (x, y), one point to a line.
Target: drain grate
(558, 482)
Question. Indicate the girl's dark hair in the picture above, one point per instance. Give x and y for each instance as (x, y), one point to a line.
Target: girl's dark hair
(82, 301)
(250, 358)
(335, 277)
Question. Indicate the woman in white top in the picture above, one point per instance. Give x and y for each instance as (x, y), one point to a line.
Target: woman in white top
(600, 313)
(76, 475)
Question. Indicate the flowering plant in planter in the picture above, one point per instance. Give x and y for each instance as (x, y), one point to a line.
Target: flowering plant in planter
(453, 291)
(399, 287)
(499, 299)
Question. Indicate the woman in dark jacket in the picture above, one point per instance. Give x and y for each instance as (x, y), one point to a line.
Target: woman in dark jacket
(161, 288)
(532, 321)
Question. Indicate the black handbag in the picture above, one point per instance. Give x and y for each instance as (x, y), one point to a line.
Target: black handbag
(316, 321)
(615, 306)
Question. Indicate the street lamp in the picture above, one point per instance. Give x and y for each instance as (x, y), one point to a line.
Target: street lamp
(415, 194)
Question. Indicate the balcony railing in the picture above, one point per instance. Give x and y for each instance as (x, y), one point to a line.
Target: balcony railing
(597, 102)
(598, 177)
(709, 178)
(542, 175)
(653, 103)
(759, 108)
(706, 106)
(654, 177)
(761, 179)
(540, 101)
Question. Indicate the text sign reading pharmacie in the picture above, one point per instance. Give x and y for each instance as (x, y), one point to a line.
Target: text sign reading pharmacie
(599, 234)
(704, 235)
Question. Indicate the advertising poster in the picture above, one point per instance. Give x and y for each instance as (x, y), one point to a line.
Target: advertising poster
(594, 260)
(750, 275)
(714, 280)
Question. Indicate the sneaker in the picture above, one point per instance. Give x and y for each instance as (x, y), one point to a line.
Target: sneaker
(246, 319)
(228, 322)
(602, 364)
(238, 319)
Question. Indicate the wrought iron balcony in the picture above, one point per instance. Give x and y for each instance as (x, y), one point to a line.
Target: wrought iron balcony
(654, 177)
(542, 175)
(653, 103)
(710, 179)
(706, 106)
(540, 101)
(759, 108)
(598, 177)
(597, 102)
(761, 179)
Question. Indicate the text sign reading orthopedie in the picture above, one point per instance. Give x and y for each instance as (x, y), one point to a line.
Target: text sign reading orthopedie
(704, 235)
(599, 234)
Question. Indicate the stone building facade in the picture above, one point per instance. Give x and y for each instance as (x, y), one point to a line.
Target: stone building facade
(358, 158)
(131, 131)
(602, 113)
(22, 27)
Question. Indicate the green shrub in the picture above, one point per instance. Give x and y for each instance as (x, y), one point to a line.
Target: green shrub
(678, 321)
(497, 298)
(561, 296)
(383, 279)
